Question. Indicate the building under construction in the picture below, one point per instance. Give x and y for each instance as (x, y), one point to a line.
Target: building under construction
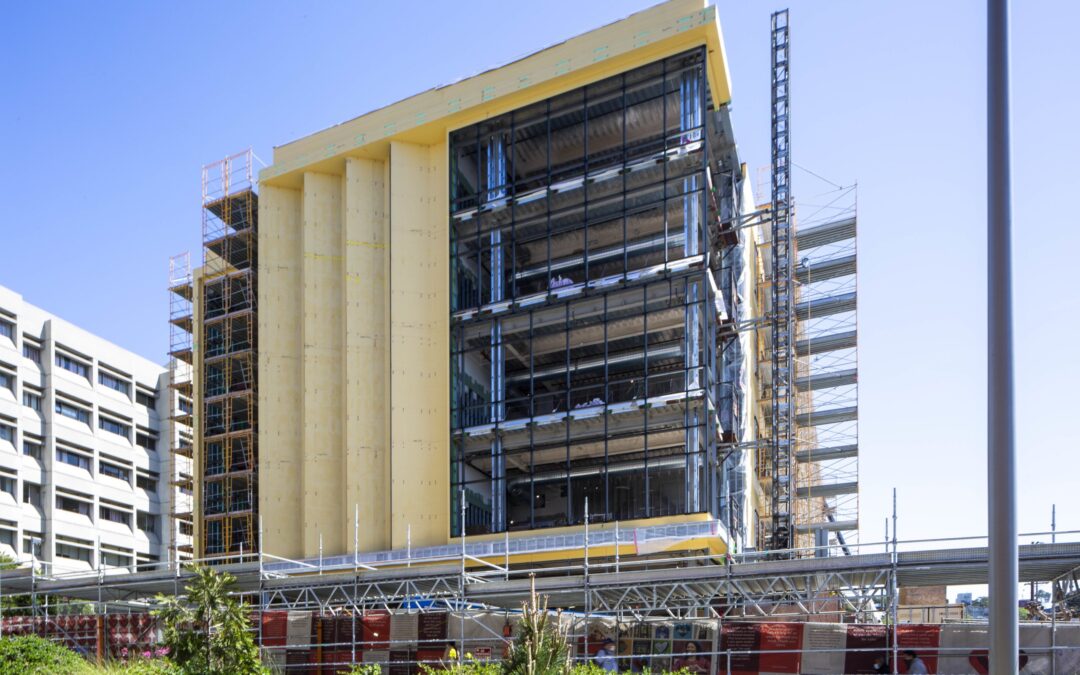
(542, 296)
(534, 329)
(570, 306)
(539, 297)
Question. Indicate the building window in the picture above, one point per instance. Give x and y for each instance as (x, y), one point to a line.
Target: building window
(238, 495)
(115, 558)
(114, 427)
(7, 377)
(186, 406)
(146, 482)
(114, 382)
(31, 543)
(31, 399)
(73, 458)
(8, 484)
(32, 449)
(32, 352)
(65, 503)
(147, 560)
(31, 494)
(147, 522)
(7, 329)
(214, 543)
(9, 532)
(215, 458)
(7, 433)
(214, 497)
(73, 365)
(84, 552)
(146, 400)
(146, 439)
(115, 515)
(114, 471)
(73, 411)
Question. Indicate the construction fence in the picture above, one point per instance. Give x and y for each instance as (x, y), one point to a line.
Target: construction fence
(402, 643)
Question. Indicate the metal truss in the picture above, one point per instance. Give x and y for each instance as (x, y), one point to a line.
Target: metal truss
(690, 585)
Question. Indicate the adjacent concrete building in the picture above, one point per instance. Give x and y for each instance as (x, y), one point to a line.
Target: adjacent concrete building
(84, 455)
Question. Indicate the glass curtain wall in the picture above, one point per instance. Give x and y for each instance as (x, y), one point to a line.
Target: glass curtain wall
(583, 311)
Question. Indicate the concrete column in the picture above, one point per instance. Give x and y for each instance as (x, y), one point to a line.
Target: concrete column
(48, 451)
(280, 392)
(419, 358)
(366, 374)
(322, 468)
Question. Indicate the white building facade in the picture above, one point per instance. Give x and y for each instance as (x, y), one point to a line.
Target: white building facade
(85, 471)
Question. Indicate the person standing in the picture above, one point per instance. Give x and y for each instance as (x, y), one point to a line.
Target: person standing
(605, 656)
(915, 665)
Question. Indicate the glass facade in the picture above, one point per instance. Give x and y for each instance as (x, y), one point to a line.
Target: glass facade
(583, 325)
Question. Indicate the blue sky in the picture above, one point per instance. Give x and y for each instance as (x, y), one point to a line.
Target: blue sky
(109, 110)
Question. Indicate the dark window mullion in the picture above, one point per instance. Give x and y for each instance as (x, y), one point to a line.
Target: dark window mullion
(607, 400)
(569, 508)
(645, 394)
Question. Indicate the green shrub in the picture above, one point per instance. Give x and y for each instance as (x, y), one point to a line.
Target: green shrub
(468, 667)
(31, 655)
(587, 668)
(141, 667)
(363, 669)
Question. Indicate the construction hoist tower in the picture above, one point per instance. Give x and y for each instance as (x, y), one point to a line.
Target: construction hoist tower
(811, 325)
(782, 325)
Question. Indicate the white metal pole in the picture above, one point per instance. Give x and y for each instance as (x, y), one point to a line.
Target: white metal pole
(461, 602)
(588, 599)
(586, 537)
(1001, 451)
(616, 547)
(894, 600)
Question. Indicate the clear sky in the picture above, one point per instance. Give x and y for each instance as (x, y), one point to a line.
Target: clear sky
(109, 110)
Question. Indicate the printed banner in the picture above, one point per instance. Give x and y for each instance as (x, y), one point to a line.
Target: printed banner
(945, 649)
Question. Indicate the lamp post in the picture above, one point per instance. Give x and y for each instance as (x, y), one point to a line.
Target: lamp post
(1001, 452)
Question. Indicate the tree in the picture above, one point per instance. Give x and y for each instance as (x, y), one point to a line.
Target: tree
(207, 632)
(541, 647)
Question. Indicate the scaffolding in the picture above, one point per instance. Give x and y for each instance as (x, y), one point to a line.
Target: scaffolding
(228, 362)
(826, 352)
(367, 607)
(181, 328)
